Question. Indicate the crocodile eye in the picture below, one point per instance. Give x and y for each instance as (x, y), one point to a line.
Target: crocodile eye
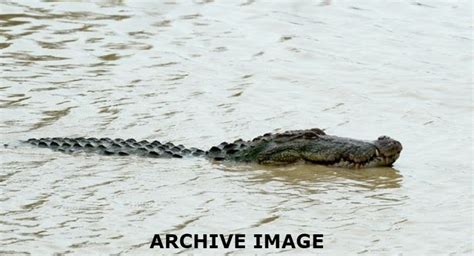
(384, 138)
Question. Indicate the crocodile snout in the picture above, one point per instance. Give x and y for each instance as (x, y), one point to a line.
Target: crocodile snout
(387, 146)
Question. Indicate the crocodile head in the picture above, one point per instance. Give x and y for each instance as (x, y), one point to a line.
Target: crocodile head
(318, 148)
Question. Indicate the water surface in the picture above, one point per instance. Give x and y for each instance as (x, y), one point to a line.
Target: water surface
(201, 72)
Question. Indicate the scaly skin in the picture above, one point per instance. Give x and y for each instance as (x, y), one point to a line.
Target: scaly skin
(310, 146)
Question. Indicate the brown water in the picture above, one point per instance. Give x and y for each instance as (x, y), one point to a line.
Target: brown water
(201, 72)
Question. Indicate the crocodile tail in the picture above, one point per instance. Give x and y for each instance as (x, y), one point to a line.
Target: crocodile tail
(120, 147)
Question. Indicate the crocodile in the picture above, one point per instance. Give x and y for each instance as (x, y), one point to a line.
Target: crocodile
(309, 146)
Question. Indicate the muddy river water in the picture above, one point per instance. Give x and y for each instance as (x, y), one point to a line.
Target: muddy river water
(201, 72)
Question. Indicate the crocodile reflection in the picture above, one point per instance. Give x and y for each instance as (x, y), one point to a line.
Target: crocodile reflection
(371, 179)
